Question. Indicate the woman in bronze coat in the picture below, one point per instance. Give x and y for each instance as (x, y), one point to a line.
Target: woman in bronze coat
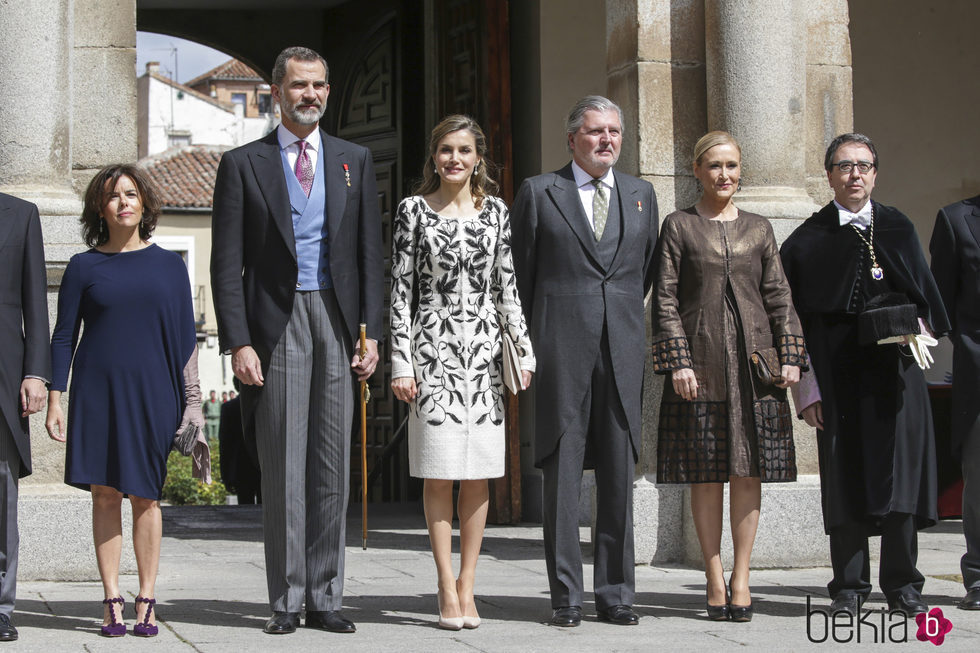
(722, 301)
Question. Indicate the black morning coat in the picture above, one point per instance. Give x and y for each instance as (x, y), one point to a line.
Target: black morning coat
(24, 344)
(877, 450)
(955, 249)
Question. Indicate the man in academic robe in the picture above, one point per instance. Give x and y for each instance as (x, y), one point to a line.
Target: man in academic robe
(296, 265)
(955, 249)
(583, 243)
(867, 400)
(25, 367)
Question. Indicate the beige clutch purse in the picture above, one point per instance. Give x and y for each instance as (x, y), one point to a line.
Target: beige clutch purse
(511, 363)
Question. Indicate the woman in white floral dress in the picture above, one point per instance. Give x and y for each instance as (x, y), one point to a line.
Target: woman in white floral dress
(451, 252)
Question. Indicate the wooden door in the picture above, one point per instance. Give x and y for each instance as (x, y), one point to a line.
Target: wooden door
(370, 49)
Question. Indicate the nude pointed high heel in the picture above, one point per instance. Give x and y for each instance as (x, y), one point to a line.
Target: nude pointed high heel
(448, 623)
(468, 622)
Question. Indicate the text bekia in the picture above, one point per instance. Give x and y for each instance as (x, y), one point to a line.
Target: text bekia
(868, 626)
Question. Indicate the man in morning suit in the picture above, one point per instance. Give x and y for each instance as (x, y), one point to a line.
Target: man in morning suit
(583, 242)
(955, 249)
(25, 366)
(296, 265)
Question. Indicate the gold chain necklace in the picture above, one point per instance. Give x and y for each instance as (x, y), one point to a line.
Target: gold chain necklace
(876, 272)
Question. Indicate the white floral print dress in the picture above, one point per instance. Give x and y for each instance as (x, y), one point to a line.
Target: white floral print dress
(463, 275)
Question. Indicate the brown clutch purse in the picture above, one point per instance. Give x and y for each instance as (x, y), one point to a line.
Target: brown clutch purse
(511, 363)
(766, 367)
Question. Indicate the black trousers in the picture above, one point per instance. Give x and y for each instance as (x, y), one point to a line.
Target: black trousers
(970, 562)
(896, 566)
(602, 428)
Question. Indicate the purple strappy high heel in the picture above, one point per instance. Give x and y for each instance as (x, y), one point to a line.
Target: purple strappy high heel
(144, 628)
(114, 628)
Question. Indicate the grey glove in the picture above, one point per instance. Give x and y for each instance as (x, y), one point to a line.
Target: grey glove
(191, 426)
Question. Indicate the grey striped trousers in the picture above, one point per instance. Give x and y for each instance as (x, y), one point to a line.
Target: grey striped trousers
(9, 473)
(303, 430)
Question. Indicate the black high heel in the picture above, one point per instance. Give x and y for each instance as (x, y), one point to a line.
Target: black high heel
(718, 612)
(739, 613)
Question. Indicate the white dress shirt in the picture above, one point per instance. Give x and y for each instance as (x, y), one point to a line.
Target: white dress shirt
(861, 219)
(289, 142)
(586, 189)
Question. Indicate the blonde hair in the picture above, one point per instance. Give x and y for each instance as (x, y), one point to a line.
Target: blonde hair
(710, 140)
(482, 182)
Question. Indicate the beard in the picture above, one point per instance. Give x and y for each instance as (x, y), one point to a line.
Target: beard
(603, 164)
(309, 116)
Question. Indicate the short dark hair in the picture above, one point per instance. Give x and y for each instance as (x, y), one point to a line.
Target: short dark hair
(301, 54)
(850, 137)
(97, 196)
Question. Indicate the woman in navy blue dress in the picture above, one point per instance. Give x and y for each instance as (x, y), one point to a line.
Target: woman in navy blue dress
(128, 386)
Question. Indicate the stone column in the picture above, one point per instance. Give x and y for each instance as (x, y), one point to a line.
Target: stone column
(756, 82)
(36, 112)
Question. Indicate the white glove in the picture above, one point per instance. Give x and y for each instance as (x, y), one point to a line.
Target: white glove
(919, 344)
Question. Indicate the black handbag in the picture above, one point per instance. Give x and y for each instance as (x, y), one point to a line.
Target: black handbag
(766, 367)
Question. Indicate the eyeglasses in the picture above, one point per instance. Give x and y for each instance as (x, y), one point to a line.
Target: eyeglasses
(845, 167)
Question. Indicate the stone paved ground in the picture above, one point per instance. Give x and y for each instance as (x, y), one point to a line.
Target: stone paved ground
(212, 593)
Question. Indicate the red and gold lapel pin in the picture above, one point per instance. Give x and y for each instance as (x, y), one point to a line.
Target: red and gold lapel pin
(639, 205)
(347, 174)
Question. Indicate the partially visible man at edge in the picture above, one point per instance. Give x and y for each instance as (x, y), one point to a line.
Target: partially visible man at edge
(25, 367)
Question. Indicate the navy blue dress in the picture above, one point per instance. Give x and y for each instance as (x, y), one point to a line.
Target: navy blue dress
(127, 390)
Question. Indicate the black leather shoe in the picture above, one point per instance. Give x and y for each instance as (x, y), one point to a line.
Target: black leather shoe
(7, 632)
(330, 620)
(849, 602)
(970, 602)
(567, 616)
(621, 615)
(282, 623)
(908, 601)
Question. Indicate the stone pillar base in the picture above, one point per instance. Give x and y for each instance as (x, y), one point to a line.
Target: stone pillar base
(790, 528)
(56, 534)
(658, 518)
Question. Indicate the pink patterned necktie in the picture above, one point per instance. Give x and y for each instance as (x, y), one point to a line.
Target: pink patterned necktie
(304, 169)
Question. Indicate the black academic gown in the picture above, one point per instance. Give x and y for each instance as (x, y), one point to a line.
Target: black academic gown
(877, 450)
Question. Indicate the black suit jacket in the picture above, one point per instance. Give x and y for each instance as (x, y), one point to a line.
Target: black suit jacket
(24, 348)
(955, 250)
(568, 295)
(253, 251)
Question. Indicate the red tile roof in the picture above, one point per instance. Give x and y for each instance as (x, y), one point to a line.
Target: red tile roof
(231, 69)
(227, 106)
(185, 176)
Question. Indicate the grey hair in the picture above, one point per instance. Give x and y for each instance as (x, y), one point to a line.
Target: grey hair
(835, 144)
(576, 116)
(301, 54)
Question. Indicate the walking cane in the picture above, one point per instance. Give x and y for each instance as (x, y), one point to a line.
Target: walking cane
(365, 395)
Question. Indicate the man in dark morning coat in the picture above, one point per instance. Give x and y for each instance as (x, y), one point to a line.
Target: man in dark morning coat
(25, 366)
(583, 243)
(296, 265)
(955, 249)
(869, 402)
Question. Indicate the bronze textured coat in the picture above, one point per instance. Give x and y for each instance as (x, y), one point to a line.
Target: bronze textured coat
(721, 294)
